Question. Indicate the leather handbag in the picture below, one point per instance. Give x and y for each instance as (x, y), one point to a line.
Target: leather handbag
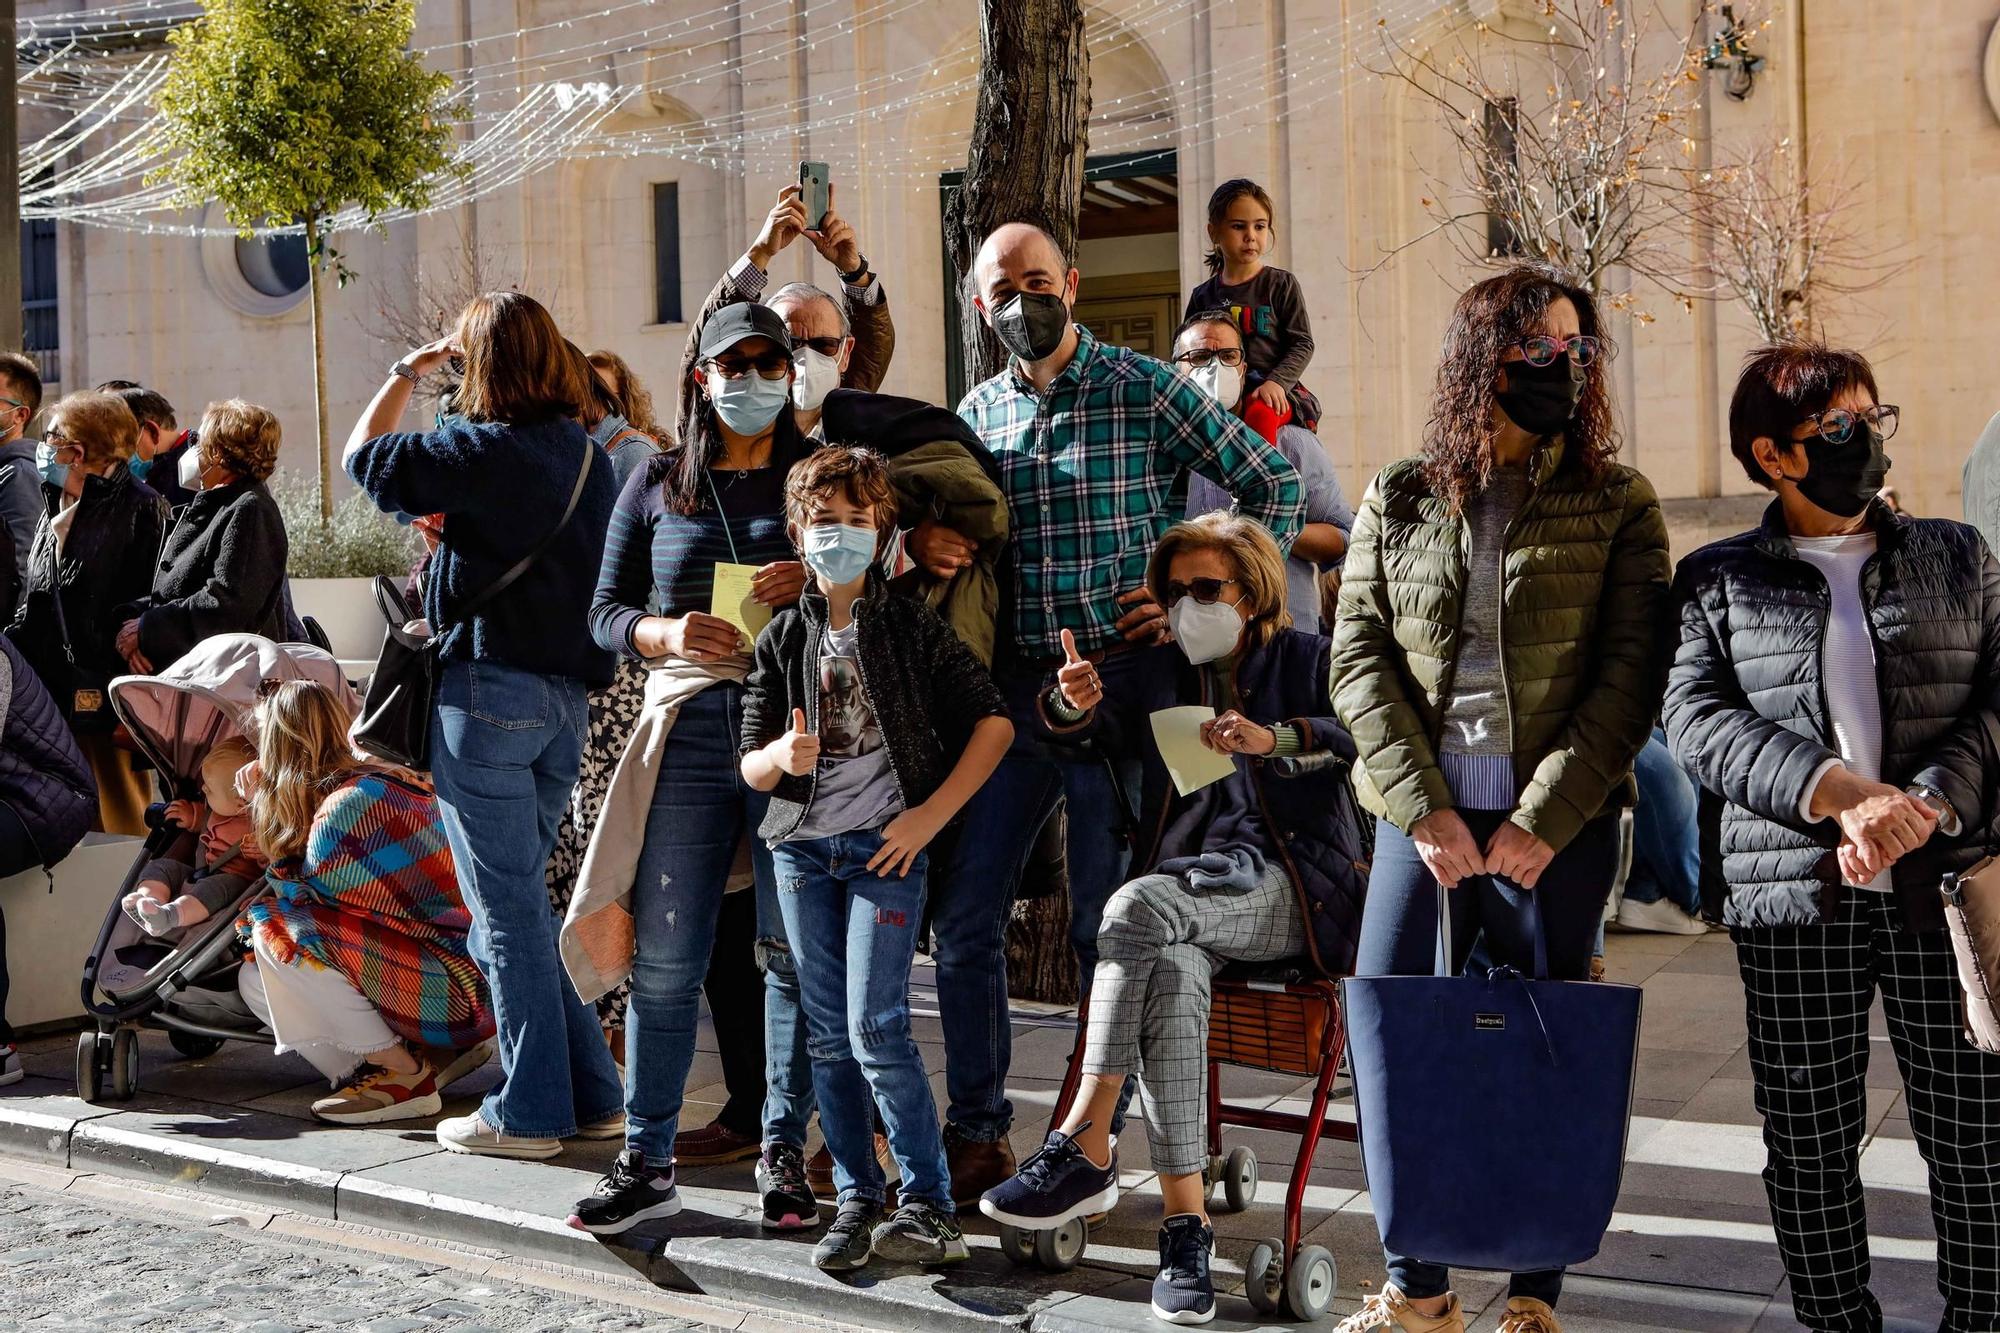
(1972, 912)
(1493, 1109)
(395, 721)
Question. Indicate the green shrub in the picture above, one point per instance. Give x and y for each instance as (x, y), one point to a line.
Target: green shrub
(358, 542)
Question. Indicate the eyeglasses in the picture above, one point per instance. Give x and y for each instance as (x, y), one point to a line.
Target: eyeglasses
(770, 366)
(1206, 591)
(1542, 350)
(13, 402)
(60, 443)
(1199, 357)
(824, 346)
(1836, 424)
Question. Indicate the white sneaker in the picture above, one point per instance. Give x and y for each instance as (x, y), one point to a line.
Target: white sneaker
(1660, 917)
(10, 1066)
(455, 1065)
(611, 1127)
(471, 1134)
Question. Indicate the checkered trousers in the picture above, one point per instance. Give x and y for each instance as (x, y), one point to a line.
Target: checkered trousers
(1159, 947)
(1809, 990)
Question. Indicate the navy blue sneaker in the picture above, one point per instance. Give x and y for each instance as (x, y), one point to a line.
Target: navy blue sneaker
(631, 1193)
(1184, 1293)
(1056, 1184)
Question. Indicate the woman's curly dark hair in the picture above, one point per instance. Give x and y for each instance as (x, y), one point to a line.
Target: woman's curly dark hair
(1489, 318)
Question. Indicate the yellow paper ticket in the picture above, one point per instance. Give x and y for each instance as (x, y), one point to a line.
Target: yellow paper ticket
(1192, 765)
(732, 601)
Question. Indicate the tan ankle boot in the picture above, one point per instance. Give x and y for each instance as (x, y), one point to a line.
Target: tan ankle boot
(1391, 1309)
(1525, 1314)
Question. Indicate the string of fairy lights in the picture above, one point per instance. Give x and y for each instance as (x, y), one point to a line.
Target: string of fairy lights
(625, 93)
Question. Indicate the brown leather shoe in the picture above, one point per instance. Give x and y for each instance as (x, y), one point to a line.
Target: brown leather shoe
(819, 1167)
(712, 1144)
(976, 1167)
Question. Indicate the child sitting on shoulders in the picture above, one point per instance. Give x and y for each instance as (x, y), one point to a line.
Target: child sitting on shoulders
(174, 894)
(871, 725)
(1267, 305)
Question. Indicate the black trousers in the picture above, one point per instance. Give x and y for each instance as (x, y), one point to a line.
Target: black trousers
(17, 853)
(735, 990)
(1809, 990)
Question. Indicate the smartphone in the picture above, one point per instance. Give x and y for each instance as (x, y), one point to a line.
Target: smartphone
(816, 190)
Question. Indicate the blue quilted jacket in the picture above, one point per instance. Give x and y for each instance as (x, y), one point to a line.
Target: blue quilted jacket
(43, 777)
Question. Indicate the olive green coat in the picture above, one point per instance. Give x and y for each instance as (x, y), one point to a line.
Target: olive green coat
(1580, 640)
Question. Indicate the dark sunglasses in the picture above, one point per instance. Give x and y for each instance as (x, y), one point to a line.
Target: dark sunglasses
(824, 346)
(771, 365)
(1202, 356)
(1542, 350)
(1836, 424)
(1206, 591)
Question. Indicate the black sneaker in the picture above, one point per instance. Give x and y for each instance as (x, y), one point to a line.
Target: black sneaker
(849, 1238)
(789, 1204)
(1184, 1293)
(921, 1233)
(632, 1193)
(1056, 1184)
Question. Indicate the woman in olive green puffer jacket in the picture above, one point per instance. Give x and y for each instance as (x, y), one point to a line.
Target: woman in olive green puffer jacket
(1498, 660)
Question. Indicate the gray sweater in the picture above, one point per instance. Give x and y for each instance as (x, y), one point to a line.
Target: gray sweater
(1476, 751)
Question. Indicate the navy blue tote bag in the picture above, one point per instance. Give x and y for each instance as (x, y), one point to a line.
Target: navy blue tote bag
(1493, 1110)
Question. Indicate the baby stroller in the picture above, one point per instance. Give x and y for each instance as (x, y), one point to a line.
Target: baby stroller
(184, 984)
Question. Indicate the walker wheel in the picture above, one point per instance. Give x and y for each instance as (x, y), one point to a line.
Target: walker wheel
(1310, 1282)
(1058, 1248)
(1264, 1277)
(89, 1073)
(1239, 1178)
(1016, 1244)
(124, 1063)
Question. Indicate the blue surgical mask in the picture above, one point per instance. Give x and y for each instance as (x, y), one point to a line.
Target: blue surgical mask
(54, 473)
(138, 467)
(749, 403)
(838, 552)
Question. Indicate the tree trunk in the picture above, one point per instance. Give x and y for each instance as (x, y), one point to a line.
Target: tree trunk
(313, 267)
(1028, 141)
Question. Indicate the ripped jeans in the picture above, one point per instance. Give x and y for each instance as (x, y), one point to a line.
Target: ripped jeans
(853, 934)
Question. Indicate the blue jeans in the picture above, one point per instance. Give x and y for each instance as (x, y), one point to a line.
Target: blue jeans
(857, 932)
(1399, 937)
(505, 748)
(701, 811)
(1666, 842)
(975, 895)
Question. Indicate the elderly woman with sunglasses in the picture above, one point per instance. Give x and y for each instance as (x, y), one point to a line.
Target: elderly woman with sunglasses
(1836, 672)
(1496, 658)
(1259, 862)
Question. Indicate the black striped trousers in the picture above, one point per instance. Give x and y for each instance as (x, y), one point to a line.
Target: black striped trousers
(1809, 991)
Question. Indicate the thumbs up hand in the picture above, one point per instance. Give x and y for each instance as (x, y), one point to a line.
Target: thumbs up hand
(797, 750)
(1077, 678)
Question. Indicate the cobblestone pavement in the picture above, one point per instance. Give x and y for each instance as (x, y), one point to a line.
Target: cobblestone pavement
(76, 1264)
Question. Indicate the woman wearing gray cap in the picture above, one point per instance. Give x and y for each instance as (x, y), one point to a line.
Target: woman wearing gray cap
(697, 555)
(525, 498)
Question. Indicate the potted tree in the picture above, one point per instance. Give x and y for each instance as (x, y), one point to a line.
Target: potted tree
(334, 561)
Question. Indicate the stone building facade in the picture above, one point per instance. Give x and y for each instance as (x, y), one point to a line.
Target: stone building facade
(1186, 93)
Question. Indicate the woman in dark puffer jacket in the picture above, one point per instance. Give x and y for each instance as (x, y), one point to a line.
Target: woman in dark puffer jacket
(1834, 674)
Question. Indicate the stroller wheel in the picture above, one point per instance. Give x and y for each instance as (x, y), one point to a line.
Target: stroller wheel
(1264, 1277)
(193, 1045)
(124, 1063)
(89, 1072)
(1239, 1178)
(1310, 1282)
(1058, 1248)
(1016, 1244)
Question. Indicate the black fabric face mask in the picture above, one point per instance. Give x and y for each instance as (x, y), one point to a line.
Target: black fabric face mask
(1541, 399)
(1843, 478)
(1031, 325)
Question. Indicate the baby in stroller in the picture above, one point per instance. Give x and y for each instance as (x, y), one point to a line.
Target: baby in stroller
(205, 872)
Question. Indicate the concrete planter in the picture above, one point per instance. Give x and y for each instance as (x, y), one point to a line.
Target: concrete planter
(346, 610)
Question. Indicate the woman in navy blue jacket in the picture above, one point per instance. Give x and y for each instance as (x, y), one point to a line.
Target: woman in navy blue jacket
(1265, 861)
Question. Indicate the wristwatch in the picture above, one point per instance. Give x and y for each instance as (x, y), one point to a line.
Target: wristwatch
(1947, 817)
(404, 369)
(860, 272)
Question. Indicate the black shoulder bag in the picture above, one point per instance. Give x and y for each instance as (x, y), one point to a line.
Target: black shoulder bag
(395, 722)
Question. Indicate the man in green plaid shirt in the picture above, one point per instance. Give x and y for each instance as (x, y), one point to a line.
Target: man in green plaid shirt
(1090, 440)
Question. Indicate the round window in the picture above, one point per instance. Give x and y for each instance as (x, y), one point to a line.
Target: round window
(274, 265)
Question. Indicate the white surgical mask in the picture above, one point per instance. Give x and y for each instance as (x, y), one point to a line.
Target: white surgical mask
(1222, 383)
(190, 469)
(1205, 632)
(817, 376)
